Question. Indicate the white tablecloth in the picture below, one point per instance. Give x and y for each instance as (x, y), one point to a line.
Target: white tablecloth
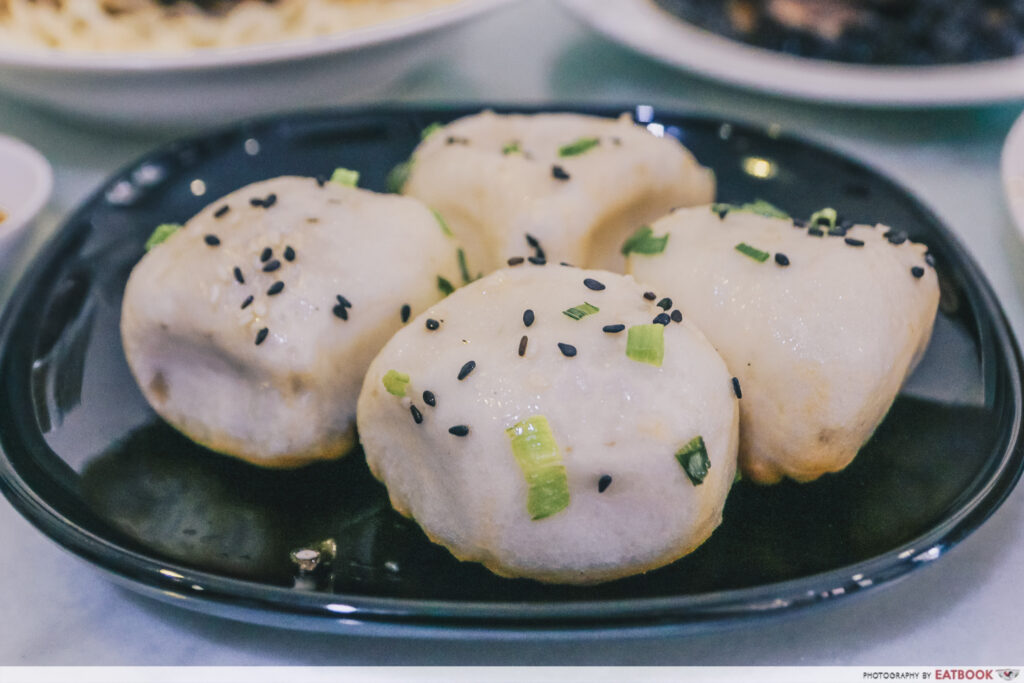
(965, 609)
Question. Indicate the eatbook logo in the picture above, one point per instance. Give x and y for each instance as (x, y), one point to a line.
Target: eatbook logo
(1008, 674)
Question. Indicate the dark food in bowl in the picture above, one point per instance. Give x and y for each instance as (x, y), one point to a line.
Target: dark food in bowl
(890, 32)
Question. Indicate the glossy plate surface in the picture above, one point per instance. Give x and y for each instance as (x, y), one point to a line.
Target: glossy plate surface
(85, 459)
(646, 28)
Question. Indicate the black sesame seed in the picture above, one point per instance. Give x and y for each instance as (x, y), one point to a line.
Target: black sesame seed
(815, 232)
(677, 316)
(593, 284)
(782, 259)
(343, 301)
(559, 173)
(417, 416)
(405, 312)
(321, 180)
(854, 242)
(563, 263)
(275, 288)
(238, 276)
(266, 254)
(429, 398)
(522, 345)
(340, 311)
(799, 223)
(261, 335)
(535, 245)
(212, 240)
(567, 350)
(722, 213)
(466, 369)
(650, 296)
(917, 271)
(248, 300)
(269, 201)
(221, 211)
(271, 266)
(613, 329)
(537, 260)
(528, 317)
(736, 388)
(289, 254)
(256, 201)
(432, 324)
(662, 319)
(515, 260)
(459, 430)
(896, 237)
(604, 482)
(665, 304)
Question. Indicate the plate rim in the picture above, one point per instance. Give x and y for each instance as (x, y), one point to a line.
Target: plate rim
(646, 28)
(401, 616)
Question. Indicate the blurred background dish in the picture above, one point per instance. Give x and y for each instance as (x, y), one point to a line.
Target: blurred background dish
(180, 88)
(26, 181)
(1013, 172)
(644, 26)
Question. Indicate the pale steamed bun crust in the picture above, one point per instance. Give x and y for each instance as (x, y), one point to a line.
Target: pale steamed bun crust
(821, 346)
(493, 197)
(291, 398)
(609, 415)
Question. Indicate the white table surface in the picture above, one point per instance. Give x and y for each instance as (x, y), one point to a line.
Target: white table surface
(964, 609)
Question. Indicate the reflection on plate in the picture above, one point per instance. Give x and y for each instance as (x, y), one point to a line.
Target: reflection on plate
(86, 460)
(643, 26)
(212, 86)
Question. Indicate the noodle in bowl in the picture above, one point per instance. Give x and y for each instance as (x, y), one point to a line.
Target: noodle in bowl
(178, 25)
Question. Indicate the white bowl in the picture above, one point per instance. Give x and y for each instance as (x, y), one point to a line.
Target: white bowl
(1012, 165)
(205, 87)
(26, 181)
(645, 27)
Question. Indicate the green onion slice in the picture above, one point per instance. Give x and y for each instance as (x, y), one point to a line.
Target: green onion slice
(827, 217)
(395, 382)
(511, 148)
(581, 311)
(345, 176)
(758, 206)
(162, 232)
(444, 285)
(534, 448)
(430, 130)
(646, 344)
(752, 252)
(643, 241)
(694, 459)
(463, 268)
(398, 176)
(443, 223)
(578, 147)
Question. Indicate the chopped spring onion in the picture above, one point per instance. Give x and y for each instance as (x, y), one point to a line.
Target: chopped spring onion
(395, 382)
(534, 448)
(511, 148)
(463, 268)
(643, 241)
(752, 252)
(646, 344)
(345, 176)
(578, 147)
(825, 218)
(162, 232)
(581, 311)
(398, 176)
(694, 459)
(443, 223)
(758, 206)
(444, 285)
(430, 130)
